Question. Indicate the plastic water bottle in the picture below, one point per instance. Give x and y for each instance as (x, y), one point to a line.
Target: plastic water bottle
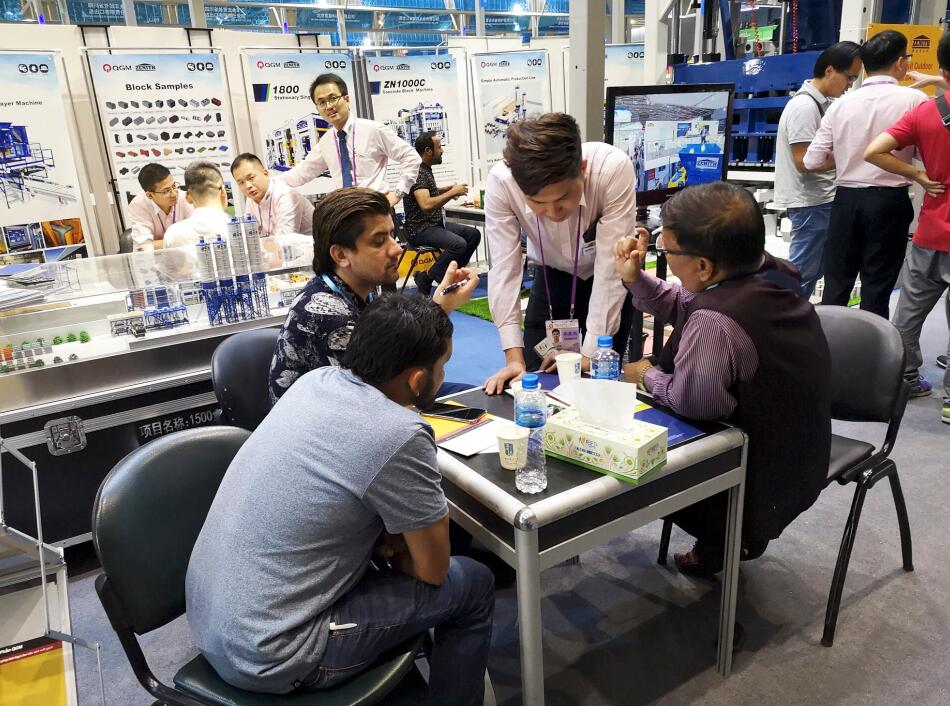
(531, 409)
(605, 363)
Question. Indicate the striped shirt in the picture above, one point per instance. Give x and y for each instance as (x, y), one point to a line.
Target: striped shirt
(714, 353)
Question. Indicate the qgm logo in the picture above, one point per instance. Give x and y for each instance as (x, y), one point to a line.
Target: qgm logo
(441, 65)
(33, 68)
(335, 65)
(264, 65)
(377, 67)
(200, 66)
(116, 67)
(535, 62)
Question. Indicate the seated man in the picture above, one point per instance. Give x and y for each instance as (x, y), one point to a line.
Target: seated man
(353, 254)
(158, 206)
(746, 349)
(204, 189)
(276, 207)
(425, 218)
(279, 590)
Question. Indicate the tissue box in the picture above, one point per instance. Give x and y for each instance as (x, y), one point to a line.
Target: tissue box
(627, 454)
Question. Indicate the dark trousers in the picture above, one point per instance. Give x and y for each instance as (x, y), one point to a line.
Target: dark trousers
(457, 242)
(867, 235)
(537, 311)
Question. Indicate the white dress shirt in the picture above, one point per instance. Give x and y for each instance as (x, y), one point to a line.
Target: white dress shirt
(376, 147)
(608, 199)
(853, 121)
(281, 211)
(149, 223)
(207, 223)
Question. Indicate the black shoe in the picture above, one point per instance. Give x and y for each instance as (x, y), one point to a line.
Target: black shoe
(423, 283)
(942, 361)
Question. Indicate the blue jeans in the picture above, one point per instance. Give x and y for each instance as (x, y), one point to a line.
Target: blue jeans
(389, 607)
(809, 230)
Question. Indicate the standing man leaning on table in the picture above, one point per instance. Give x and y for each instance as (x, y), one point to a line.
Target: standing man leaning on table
(574, 201)
(356, 151)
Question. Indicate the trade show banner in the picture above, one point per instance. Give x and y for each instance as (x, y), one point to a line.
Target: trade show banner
(623, 65)
(39, 184)
(286, 123)
(509, 87)
(170, 108)
(922, 41)
(417, 94)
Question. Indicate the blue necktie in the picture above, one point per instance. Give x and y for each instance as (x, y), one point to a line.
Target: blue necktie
(345, 165)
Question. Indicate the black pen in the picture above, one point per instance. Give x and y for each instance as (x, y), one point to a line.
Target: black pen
(453, 287)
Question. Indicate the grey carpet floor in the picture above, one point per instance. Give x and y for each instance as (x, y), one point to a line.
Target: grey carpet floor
(619, 629)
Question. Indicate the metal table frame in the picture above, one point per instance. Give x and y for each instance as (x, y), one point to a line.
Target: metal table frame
(619, 507)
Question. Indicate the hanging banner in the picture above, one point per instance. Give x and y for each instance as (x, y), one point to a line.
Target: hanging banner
(417, 94)
(287, 125)
(39, 187)
(922, 41)
(172, 109)
(509, 86)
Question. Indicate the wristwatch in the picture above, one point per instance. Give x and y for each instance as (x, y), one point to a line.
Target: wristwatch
(400, 194)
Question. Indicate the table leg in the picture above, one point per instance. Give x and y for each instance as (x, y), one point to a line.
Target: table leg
(529, 616)
(730, 581)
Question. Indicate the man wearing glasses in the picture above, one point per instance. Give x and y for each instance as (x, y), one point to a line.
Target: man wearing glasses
(277, 208)
(872, 211)
(356, 151)
(807, 196)
(160, 205)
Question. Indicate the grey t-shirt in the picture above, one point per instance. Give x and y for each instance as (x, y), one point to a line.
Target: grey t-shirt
(294, 522)
(799, 123)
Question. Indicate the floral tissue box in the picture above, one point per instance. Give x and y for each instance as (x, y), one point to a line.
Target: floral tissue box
(628, 454)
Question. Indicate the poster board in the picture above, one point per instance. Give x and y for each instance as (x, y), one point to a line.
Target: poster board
(623, 66)
(509, 87)
(170, 108)
(922, 41)
(422, 93)
(40, 197)
(285, 121)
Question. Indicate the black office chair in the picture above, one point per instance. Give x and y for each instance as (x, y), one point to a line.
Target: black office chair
(239, 373)
(145, 521)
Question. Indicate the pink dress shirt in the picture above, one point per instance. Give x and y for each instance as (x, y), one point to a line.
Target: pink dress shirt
(853, 121)
(282, 210)
(609, 199)
(149, 222)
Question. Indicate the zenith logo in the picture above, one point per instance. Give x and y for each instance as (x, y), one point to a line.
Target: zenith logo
(707, 163)
(145, 67)
(402, 67)
(921, 43)
(291, 65)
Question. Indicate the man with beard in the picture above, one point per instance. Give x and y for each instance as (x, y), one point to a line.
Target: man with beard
(425, 216)
(280, 594)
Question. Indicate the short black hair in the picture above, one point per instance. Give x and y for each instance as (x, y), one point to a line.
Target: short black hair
(203, 180)
(329, 78)
(425, 141)
(719, 221)
(395, 333)
(338, 220)
(246, 157)
(882, 50)
(838, 56)
(943, 52)
(152, 174)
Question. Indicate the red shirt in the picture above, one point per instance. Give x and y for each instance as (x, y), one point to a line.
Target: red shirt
(923, 128)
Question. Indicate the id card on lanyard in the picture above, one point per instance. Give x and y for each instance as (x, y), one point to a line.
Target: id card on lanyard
(561, 335)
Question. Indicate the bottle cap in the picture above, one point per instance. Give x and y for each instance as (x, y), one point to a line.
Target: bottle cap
(605, 341)
(530, 382)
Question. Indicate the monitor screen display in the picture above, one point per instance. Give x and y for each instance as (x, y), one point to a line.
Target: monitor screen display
(675, 136)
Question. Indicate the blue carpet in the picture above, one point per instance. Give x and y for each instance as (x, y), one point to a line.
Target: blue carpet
(476, 352)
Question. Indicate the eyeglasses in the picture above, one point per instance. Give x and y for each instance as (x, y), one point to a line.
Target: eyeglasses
(851, 77)
(660, 250)
(327, 102)
(169, 191)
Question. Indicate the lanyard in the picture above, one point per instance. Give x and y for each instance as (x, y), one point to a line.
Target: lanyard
(339, 154)
(349, 300)
(265, 233)
(544, 269)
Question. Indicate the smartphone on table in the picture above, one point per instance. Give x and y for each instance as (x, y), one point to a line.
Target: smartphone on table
(455, 413)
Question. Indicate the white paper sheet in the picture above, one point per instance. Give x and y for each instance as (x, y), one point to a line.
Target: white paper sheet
(483, 438)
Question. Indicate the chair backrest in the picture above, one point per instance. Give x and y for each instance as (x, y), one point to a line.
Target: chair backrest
(239, 372)
(125, 241)
(867, 365)
(147, 516)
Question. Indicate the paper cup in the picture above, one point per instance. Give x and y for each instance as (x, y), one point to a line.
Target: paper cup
(513, 447)
(568, 366)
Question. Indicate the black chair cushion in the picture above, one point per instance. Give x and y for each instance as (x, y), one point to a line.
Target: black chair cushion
(239, 373)
(369, 687)
(846, 454)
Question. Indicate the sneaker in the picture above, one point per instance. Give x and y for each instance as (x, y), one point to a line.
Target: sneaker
(920, 388)
(423, 283)
(945, 413)
(942, 361)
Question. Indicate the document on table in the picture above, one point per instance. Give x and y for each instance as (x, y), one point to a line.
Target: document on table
(482, 438)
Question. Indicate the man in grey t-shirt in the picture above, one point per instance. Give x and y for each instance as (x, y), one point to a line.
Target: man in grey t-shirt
(807, 196)
(279, 591)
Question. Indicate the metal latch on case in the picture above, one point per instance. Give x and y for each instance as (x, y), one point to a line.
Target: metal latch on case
(65, 435)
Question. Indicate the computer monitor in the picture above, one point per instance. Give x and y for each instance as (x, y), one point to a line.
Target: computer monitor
(675, 136)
